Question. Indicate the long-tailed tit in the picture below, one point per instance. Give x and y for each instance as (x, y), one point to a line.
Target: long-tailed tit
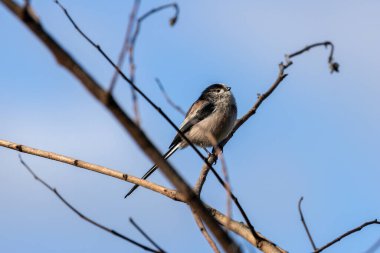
(208, 121)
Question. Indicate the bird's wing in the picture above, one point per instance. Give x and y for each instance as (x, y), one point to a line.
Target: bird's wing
(197, 112)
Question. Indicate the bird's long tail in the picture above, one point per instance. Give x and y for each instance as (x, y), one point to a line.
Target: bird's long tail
(151, 170)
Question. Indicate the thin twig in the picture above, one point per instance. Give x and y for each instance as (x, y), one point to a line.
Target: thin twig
(81, 215)
(205, 233)
(304, 224)
(168, 99)
(132, 71)
(172, 22)
(146, 236)
(280, 77)
(334, 66)
(218, 151)
(126, 44)
(132, 64)
(347, 234)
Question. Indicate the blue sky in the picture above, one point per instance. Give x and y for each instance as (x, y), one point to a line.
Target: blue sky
(317, 136)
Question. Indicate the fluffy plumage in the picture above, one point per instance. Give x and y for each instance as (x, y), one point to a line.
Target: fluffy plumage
(214, 113)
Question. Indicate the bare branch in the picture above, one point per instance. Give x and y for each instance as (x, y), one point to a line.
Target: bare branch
(146, 235)
(168, 99)
(92, 167)
(347, 234)
(132, 65)
(334, 66)
(235, 226)
(244, 231)
(126, 44)
(304, 224)
(204, 232)
(81, 215)
(203, 175)
(172, 22)
(280, 77)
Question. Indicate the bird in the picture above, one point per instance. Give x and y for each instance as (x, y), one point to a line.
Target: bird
(213, 113)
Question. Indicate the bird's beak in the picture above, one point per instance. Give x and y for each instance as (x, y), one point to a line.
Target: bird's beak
(228, 88)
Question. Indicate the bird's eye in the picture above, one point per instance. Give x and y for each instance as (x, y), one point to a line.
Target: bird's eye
(219, 90)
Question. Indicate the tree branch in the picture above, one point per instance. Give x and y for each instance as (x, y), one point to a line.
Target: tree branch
(347, 234)
(81, 215)
(132, 65)
(235, 226)
(204, 232)
(92, 167)
(126, 44)
(304, 224)
(146, 235)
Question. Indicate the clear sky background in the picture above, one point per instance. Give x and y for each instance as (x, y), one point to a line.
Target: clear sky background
(317, 136)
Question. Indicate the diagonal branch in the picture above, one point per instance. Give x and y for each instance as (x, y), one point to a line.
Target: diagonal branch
(81, 215)
(146, 235)
(280, 77)
(93, 167)
(347, 234)
(205, 233)
(304, 224)
(237, 227)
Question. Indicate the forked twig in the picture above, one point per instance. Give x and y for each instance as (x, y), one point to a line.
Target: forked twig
(126, 44)
(132, 64)
(81, 215)
(146, 235)
(304, 224)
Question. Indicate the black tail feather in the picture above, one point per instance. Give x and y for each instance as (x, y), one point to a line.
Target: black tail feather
(153, 169)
